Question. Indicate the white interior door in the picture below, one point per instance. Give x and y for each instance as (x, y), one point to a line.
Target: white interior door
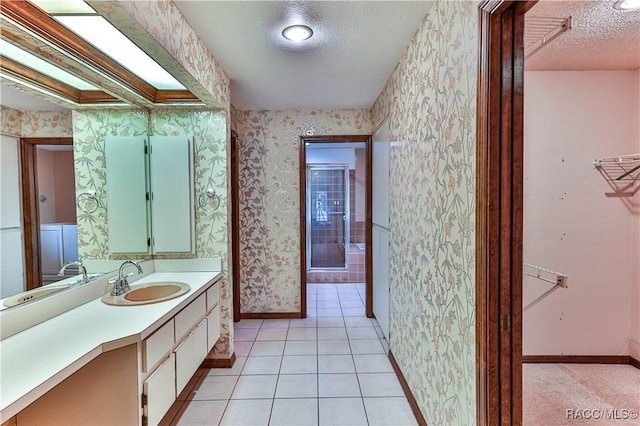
(381, 278)
(381, 224)
(11, 245)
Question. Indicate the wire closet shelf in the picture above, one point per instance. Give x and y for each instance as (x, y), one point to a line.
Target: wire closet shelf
(621, 168)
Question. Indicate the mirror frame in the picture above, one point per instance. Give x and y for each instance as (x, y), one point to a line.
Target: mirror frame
(30, 209)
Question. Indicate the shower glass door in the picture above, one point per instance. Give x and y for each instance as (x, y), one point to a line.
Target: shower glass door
(327, 216)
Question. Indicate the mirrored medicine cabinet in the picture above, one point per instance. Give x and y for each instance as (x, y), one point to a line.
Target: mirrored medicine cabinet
(150, 195)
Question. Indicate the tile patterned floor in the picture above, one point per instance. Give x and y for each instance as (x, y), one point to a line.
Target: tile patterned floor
(330, 368)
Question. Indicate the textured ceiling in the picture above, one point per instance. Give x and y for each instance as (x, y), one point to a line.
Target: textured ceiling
(601, 37)
(355, 46)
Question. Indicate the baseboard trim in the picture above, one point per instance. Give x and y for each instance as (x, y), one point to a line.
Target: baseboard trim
(219, 362)
(407, 391)
(580, 359)
(270, 315)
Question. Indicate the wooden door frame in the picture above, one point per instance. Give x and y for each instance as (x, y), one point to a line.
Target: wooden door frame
(499, 217)
(234, 196)
(368, 216)
(30, 206)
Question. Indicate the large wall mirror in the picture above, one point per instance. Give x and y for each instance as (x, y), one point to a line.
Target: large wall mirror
(184, 134)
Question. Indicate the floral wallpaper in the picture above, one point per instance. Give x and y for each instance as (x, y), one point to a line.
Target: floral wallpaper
(431, 98)
(211, 154)
(268, 145)
(11, 121)
(47, 124)
(44, 124)
(90, 129)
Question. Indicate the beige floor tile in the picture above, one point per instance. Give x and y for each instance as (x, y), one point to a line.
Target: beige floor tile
(203, 413)
(247, 412)
(294, 412)
(297, 386)
(341, 411)
(389, 411)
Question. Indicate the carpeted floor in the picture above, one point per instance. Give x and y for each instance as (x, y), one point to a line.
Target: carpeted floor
(580, 394)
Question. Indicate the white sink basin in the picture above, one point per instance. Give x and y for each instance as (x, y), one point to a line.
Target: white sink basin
(30, 295)
(144, 294)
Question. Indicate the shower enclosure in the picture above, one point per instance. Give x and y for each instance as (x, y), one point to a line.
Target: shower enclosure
(328, 220)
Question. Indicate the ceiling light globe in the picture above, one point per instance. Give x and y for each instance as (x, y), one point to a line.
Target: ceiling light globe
(297, 33)
(627, 4)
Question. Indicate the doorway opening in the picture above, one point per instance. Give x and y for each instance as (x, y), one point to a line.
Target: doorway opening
(48, 209)
(335, 202)
(328, 217)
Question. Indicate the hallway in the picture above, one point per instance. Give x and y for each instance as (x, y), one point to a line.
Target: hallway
(330, 368)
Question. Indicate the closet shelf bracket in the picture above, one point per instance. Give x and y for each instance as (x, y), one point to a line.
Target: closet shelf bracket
(558, 280)
(546, 275)
(624, 167)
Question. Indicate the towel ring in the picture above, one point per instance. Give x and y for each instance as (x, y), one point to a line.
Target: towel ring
(209, 198)
(87, 202)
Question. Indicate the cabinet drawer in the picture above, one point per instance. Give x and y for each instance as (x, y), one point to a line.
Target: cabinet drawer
(190, 316)
(160, 391)
(156, 346)
(213, 296)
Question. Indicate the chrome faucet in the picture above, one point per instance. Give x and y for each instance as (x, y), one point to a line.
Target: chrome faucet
(81, 268)
(121, 286)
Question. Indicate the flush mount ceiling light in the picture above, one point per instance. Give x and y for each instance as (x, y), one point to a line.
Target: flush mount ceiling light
(297, 33)
(627, 4)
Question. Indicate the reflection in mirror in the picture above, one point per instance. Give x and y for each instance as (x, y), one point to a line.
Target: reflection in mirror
(57, 211)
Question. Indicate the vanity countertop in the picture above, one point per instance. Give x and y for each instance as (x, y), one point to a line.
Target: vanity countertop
(35, 360)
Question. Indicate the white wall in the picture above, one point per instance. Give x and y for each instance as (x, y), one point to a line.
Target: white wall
(574, 222)
(634, 344)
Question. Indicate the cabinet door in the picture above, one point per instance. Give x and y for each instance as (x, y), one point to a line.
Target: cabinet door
(172, 195)
(11, 261)
(160, 390)
(380, 179)
(200, 346)
(9, 183)
(51, 248)
(184, 363)
(213, 327)
(127, 210)
(69, 243)
(381, 278)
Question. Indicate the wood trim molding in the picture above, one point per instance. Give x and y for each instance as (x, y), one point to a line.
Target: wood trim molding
(271, 315)
(30, 207)
(210, 362)
(499, 214)
(367, 139)
(235, 225)
(580, 359)
(368, 236)
(302, 166)
(407, 391)
(44, 82)
(27, 17)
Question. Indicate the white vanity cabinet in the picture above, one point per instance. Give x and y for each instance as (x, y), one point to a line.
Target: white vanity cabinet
(180, 346)
(137, 383)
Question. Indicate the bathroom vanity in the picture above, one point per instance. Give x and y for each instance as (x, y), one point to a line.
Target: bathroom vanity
(105, 364)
